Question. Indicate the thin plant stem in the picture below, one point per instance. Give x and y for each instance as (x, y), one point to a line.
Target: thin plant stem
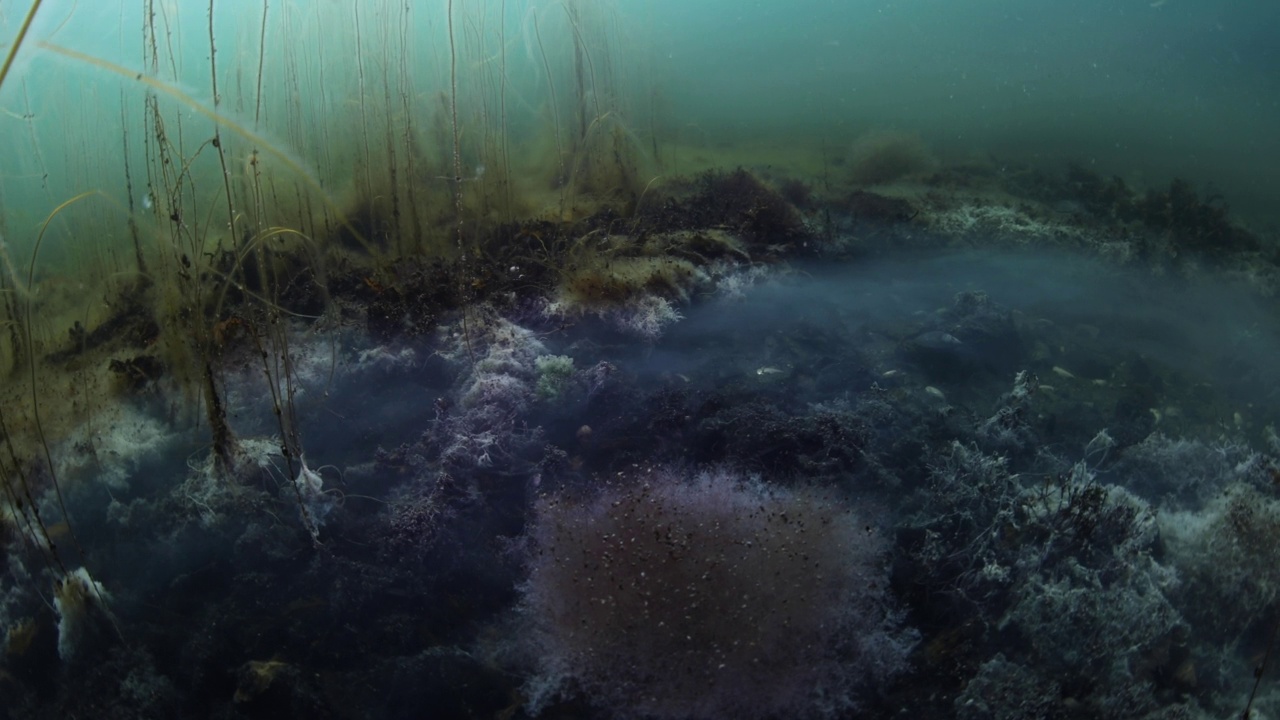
(502, 103)
(453, 111)
(35, 399)
(579, 50)
(221, 119)
(364, 117)
(410, 148)
(551, 86)
(390, 140)
(262, 51)
(1261, 670)
(17, 41)
(128, 184)
(37, 529)
(217, 132)
(457, 177)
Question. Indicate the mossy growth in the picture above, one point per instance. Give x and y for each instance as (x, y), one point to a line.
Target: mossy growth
(554, 373)
(610, 281)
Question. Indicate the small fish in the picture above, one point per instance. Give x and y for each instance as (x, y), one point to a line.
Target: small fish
(937, 340)
(767, 370)
(146, 201)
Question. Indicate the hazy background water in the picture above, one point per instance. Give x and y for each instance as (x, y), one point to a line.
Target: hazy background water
(1144, 89)
(1148, 90)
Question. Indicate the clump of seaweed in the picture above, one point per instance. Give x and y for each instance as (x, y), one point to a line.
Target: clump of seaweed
(883, 156)
(739, 203)
(603, 281)
(798, 192)
(1177, 215)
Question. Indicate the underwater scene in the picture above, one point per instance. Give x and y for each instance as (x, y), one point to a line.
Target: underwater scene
(655, 359)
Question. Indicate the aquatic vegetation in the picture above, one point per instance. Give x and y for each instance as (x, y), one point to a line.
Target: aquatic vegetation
(80, 602)
(494, 391)
(883, 156)
(554, 373)
(1177, 217)
(635, 294)
(1114, 631)
(1009, 224)
(987, 694)
(605, 280)
(1186, 473)
(739, 202)
(608, 168)
(1224, 555)
(21, 37)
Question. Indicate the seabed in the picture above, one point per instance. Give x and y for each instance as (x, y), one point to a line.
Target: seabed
(1049, 396)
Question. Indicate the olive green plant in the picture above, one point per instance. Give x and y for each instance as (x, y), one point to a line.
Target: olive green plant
(195, 266)
(281, 162)
(19, 40)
